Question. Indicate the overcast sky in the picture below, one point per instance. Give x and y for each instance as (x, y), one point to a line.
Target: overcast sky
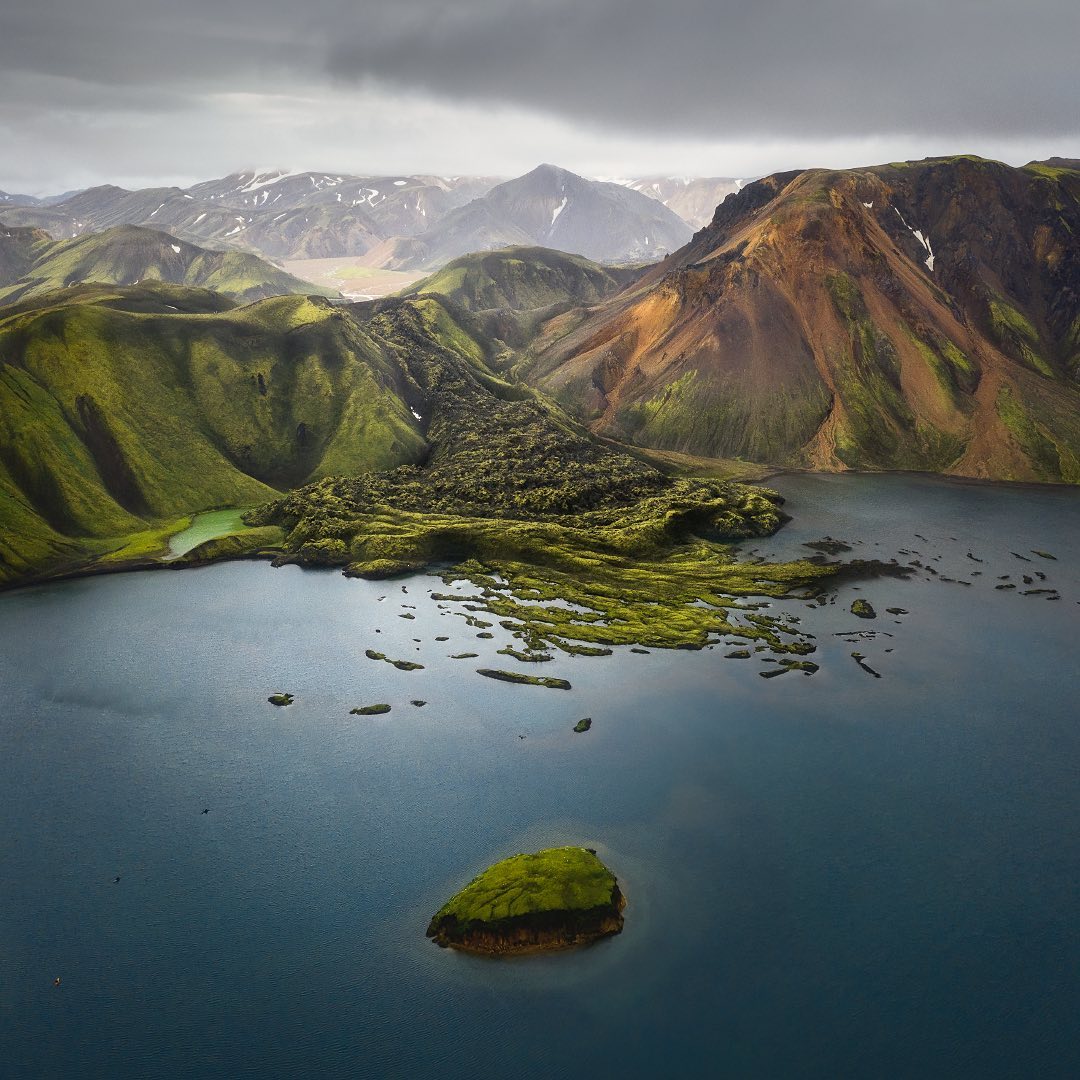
(141, 92)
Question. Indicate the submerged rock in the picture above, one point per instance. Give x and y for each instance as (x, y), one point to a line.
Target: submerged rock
(828, 545)
(860, 659)
(551, 900)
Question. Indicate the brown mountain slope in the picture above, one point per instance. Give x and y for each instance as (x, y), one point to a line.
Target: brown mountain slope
(912, 316)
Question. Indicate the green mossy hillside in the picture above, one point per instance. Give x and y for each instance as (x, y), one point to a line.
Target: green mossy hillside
(121, 410)
(523, 279)
(130, 254)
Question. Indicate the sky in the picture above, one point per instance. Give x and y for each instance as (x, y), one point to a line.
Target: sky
(141, 92)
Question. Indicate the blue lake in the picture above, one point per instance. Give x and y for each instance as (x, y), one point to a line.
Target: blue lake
(827, 876)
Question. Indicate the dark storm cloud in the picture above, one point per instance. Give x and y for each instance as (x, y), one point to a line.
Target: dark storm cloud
(826, 67)
(94, 90)
(147, 43)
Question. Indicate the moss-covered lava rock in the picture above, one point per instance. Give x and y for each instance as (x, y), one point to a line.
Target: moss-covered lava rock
(523, 680)
(369, 710)
(280, 699)
(554, 899)
(863, 609)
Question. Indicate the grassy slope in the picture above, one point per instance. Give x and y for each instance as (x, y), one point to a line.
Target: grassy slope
(115, 421)
(128, 254)
(522, 278)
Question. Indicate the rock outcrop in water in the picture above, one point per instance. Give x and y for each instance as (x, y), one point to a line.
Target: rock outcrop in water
(554, 899)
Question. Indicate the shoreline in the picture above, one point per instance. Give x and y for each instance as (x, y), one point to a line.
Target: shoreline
(181, 562)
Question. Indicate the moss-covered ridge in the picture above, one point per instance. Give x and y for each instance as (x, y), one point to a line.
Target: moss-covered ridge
(553, 899)
(129, 254)
(523, 279)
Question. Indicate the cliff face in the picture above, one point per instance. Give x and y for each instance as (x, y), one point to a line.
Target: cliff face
(911, 316)
(540, 932)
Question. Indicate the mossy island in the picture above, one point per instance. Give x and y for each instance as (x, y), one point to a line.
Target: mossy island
(280, 699)
(555, 899)
(523, 680)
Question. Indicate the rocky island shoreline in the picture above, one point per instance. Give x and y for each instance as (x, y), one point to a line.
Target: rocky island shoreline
(549, 901)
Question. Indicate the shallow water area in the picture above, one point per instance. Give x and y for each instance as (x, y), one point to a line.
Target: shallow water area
(203, 527)
(826, 875)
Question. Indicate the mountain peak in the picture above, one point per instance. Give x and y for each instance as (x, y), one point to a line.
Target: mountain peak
(546, 171)
(914, 315)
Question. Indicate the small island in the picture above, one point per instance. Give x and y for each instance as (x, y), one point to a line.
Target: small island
(863, 609)
(523, 680)
(555, 899)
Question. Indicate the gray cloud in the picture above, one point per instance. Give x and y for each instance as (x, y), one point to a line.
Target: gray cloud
(829, 67)
(142, 89)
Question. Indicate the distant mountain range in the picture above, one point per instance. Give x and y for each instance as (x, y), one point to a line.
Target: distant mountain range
(553, 208)
(920, 315)
(32, 264)
(694, 199)
(394, 222)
